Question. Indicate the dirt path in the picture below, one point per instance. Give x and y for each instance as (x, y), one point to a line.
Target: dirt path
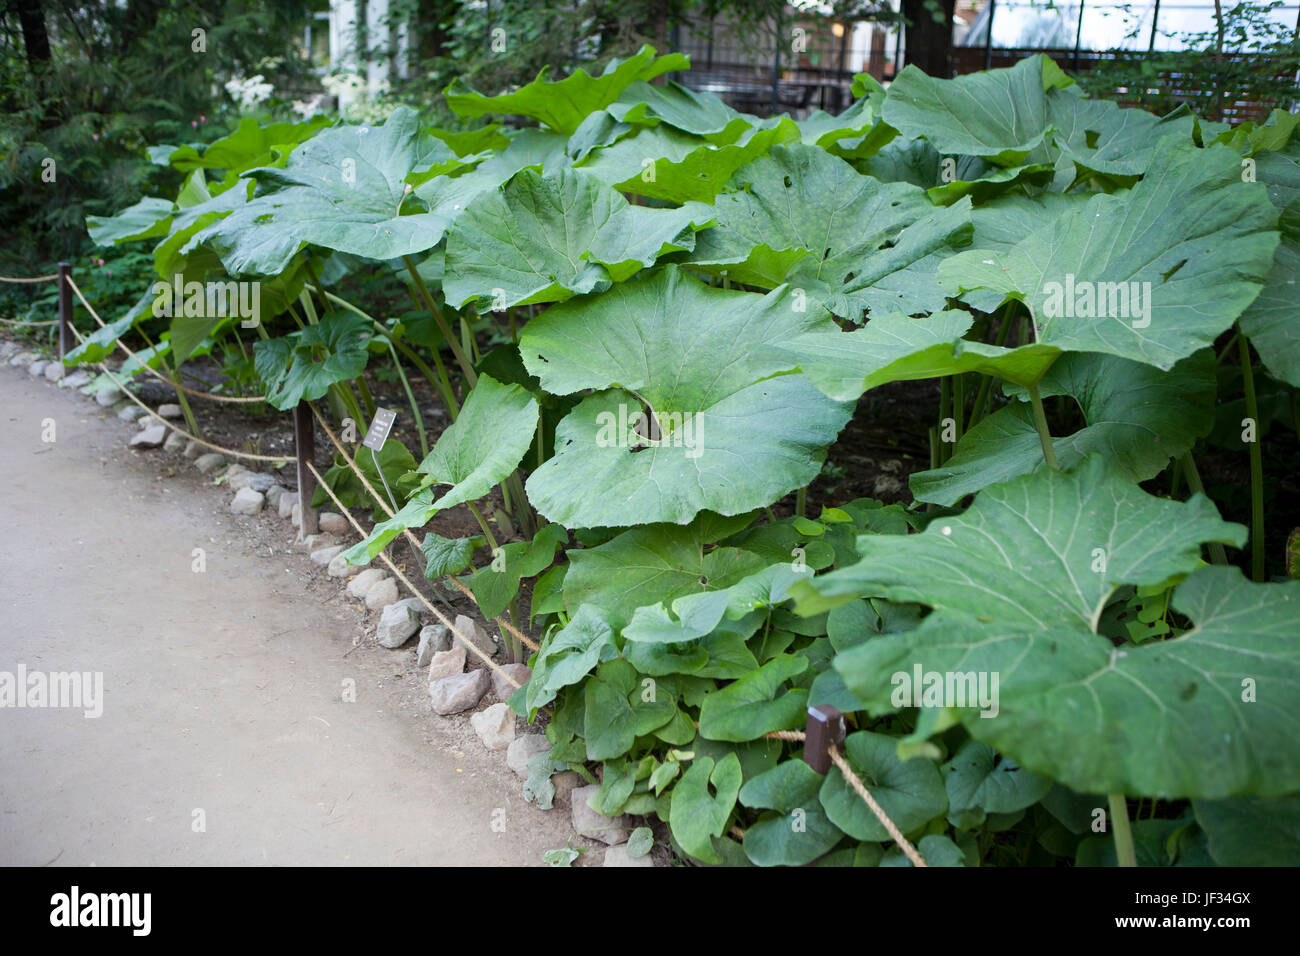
(222, 690)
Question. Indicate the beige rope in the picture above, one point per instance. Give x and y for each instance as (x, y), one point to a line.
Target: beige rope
(411, 587)
(249, 456)
(853, 780)
(17, 279)
(501, 622)
(154, 372)
(23, 322)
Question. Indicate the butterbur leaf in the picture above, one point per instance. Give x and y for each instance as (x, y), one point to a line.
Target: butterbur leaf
(700, 114)
(1151, 275)
(1251, 831)
(448, 555)
(730, 437)
(546, 239)
(477, 451)
(696, 814)
(103, 342)
(800, 215)
(146, 219)
(496, 585)
(563, 104)
(1138, 416)
(998, 114)
(1084, 534)
(344, 189)
(911, 792)
(1198, 715)
(302, 365)
(616, 713)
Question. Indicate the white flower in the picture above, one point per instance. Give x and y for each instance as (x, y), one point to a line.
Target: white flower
(249, 92)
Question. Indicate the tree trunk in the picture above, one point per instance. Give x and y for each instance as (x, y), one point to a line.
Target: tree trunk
(929, 44)
(36, 40)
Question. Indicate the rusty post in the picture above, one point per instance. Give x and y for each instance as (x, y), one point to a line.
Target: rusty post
(825, 727)
(304, 436)
(65, 311)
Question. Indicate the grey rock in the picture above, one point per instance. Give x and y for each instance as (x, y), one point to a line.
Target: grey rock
(273, 496)
(332, 522)
(130, 412)
(382, 594)
(504, 691)
(324, 556)
(433, 639)
(206, 464)
(495, 726)
(246, 501)
(150, 437)
(364, 581)
(175, 442)
(617, 856)
(314, 542)
(523, 749)
(55, 371)
(75, 379)
(396, 625)
(37, 368)
(24, 358)
(287, 501)
(169, 411)
(339, 568)
(108, 397)
(597, 826)
(474, 633)
(192, 450)
(446, 664)
(459, 693)
(258, 481)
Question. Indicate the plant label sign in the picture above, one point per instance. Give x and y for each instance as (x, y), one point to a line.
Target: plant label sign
(379, 429)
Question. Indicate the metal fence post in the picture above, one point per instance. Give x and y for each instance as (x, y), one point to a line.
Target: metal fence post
(304, 438)
(65, 310)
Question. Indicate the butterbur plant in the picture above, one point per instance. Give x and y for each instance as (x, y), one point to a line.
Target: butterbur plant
(1058, 630)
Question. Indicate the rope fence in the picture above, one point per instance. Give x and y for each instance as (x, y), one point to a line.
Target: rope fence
(825, 731)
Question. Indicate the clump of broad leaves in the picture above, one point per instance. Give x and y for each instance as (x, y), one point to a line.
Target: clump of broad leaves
(1035, 651)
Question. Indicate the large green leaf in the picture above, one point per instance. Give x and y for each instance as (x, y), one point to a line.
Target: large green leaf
(731, 438)
(477, 451)
(1252, 831)
(657, 563)
(800, 215)
(1019, 584)
(893, 347)
(1045, 550)
(344, 190)
(665, 163)
(799, 831)
(696, 815)
(146, 219)
(302, 365)
(570, 654)
(1137, 416)
(617, 711)
(1273, 320)
(546, 239)
(700, 114)
(496, 585)
(977, 777)
(911, 792)
(750, 707)
(1207, 714)
(999, 114)
(1201, 238)
(564, 104)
